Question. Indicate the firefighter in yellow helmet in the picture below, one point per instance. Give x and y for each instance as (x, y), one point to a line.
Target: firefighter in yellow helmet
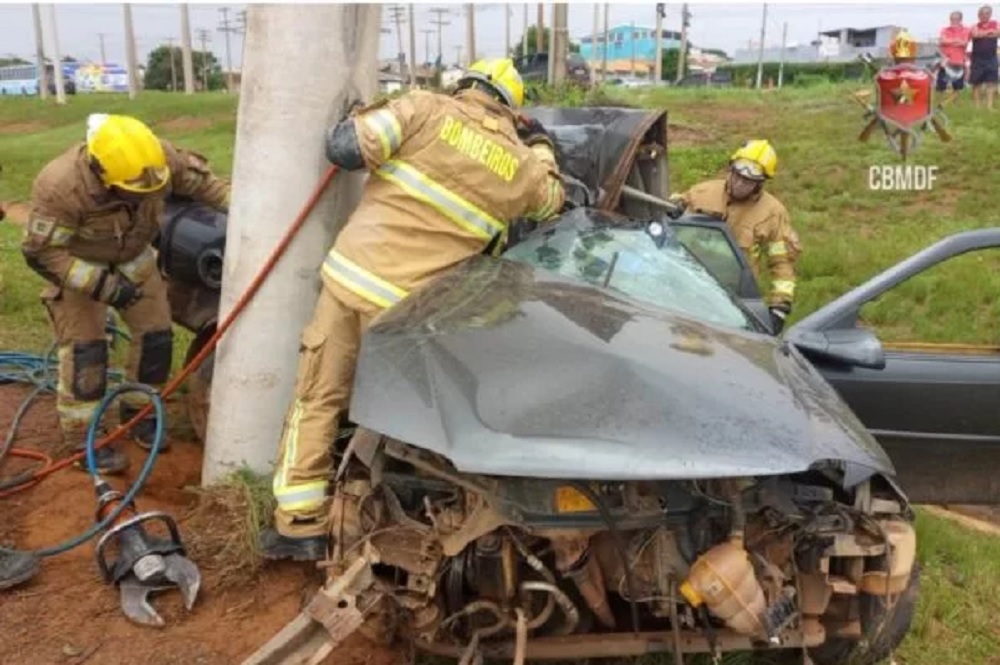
(449, 173)
(95, 210)
(759, 222)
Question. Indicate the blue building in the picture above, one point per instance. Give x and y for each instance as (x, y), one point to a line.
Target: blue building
(630, 41)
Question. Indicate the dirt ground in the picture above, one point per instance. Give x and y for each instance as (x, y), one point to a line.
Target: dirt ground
(15, 212)
(67, 616)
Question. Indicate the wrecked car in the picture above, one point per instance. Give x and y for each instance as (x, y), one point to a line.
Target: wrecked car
(590, 447)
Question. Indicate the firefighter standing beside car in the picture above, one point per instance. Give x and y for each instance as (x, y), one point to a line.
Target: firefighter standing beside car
(448, 174)
(759, 222)
(95, 211)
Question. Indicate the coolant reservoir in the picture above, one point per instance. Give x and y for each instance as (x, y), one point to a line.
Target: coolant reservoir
(723, 580)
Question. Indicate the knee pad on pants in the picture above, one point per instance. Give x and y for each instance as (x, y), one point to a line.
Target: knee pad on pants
(90, 370)
(155, 357)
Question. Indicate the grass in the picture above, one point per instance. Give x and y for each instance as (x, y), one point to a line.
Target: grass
(849, 232)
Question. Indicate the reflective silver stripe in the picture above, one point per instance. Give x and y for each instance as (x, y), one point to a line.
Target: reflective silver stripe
(449, 204)
(77, 412)
(140, 268)
(362, 282)
(81, 275)
(784, 286)
(303, 496)
(61, 236)
(551, 201)
(777, 248)
(385, 125)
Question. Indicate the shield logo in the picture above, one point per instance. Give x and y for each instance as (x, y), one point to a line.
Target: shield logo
(904, 96)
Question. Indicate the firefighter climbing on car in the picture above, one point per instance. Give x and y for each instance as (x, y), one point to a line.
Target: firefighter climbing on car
(758, 220)
(95, 212)
(449, 173)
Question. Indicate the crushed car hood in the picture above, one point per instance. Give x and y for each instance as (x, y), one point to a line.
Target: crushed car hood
(507, 369)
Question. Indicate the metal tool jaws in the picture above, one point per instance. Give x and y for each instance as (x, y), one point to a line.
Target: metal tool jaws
(178, 572)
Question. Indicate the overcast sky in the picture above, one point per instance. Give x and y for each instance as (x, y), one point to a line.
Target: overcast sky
(727, 26)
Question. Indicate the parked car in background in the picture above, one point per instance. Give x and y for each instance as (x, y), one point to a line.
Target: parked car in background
(535, 67)
(716, 78)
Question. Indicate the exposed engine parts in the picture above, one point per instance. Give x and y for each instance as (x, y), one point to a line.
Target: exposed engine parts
(474, 566)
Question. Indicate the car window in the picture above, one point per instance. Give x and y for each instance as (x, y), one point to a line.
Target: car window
(629, 261)
(713, 249)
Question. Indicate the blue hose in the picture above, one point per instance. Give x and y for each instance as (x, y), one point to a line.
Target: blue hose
(147, 468)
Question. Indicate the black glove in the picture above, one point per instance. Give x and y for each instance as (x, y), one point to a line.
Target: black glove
(113, 289)
(531, 132)
(778, 315)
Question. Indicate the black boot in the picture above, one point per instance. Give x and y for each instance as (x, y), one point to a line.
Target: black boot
(110, 461)
(273, 545)
(16, 568)
(144, 431)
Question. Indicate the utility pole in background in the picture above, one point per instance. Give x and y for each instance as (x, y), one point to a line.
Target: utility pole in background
(682, 56)
(632, 28)
(470, 32)
(187, 59)
(440, 23)
(330, 51)
(560, 16)
(658, 58)
(173, 66)
(43, 75)
(506, 30)
(594, 42)
(396, 12)
(540, 29)
(784, 41)
(551, 60)
(607, 45)
(104, 54)
(524, 35)
(458, 55)
(413, 50)
(227, 28)
(131, 61)
(204, 37)
(760, 51)
(427, 43)
(56, 56)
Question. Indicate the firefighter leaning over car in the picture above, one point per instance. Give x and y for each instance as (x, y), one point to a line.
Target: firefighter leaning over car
(448, 174)
(95, 210)
(759, 222)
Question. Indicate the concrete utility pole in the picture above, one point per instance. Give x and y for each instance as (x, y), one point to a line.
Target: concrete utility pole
(413, 50)
(43, 76)
(187, 59)
(56, 56)
(658, 57)
(524, 35)
(131, 62)
(682, 56)
(551, 61)
(259, 356)
(226, 27)
(540, 29)
(173, 65)
(440, 23)
(593, 43)
(607, 46)
(427, 43)
(204, 37)
(470, 31)
(104, 56)
(760, 51)
(632, 28)
(458, 55)
(784, 41)
(396, 12)
(506, 29)
(560, 17)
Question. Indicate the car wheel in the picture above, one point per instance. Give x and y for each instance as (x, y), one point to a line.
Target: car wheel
(876, 645)
(199, 384)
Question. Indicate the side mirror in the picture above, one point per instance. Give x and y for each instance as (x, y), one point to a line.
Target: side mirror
(855, 347)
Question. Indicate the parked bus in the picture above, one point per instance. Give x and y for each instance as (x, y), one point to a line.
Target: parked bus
(23, 80)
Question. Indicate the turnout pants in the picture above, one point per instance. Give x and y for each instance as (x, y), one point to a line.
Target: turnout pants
(79, 324)
(327, 356)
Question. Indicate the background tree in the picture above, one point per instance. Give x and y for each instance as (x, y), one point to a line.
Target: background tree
(5, 62)
(574, 47)
(158, 69)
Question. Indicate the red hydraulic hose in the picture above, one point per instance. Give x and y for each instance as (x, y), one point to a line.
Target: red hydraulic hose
(49, 467)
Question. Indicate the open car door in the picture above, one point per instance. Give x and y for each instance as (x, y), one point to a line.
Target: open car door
(935, 408)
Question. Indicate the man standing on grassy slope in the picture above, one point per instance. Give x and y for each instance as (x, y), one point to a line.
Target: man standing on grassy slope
(952, 44)
(983, 70)
(759, 221)
(95, 211)
(448, 174)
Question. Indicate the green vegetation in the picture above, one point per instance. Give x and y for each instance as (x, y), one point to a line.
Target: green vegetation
(849, 231)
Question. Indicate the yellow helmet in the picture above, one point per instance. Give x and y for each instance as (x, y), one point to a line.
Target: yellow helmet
(501, 76)
(127, 153)
(903, 45)
(756, 160)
